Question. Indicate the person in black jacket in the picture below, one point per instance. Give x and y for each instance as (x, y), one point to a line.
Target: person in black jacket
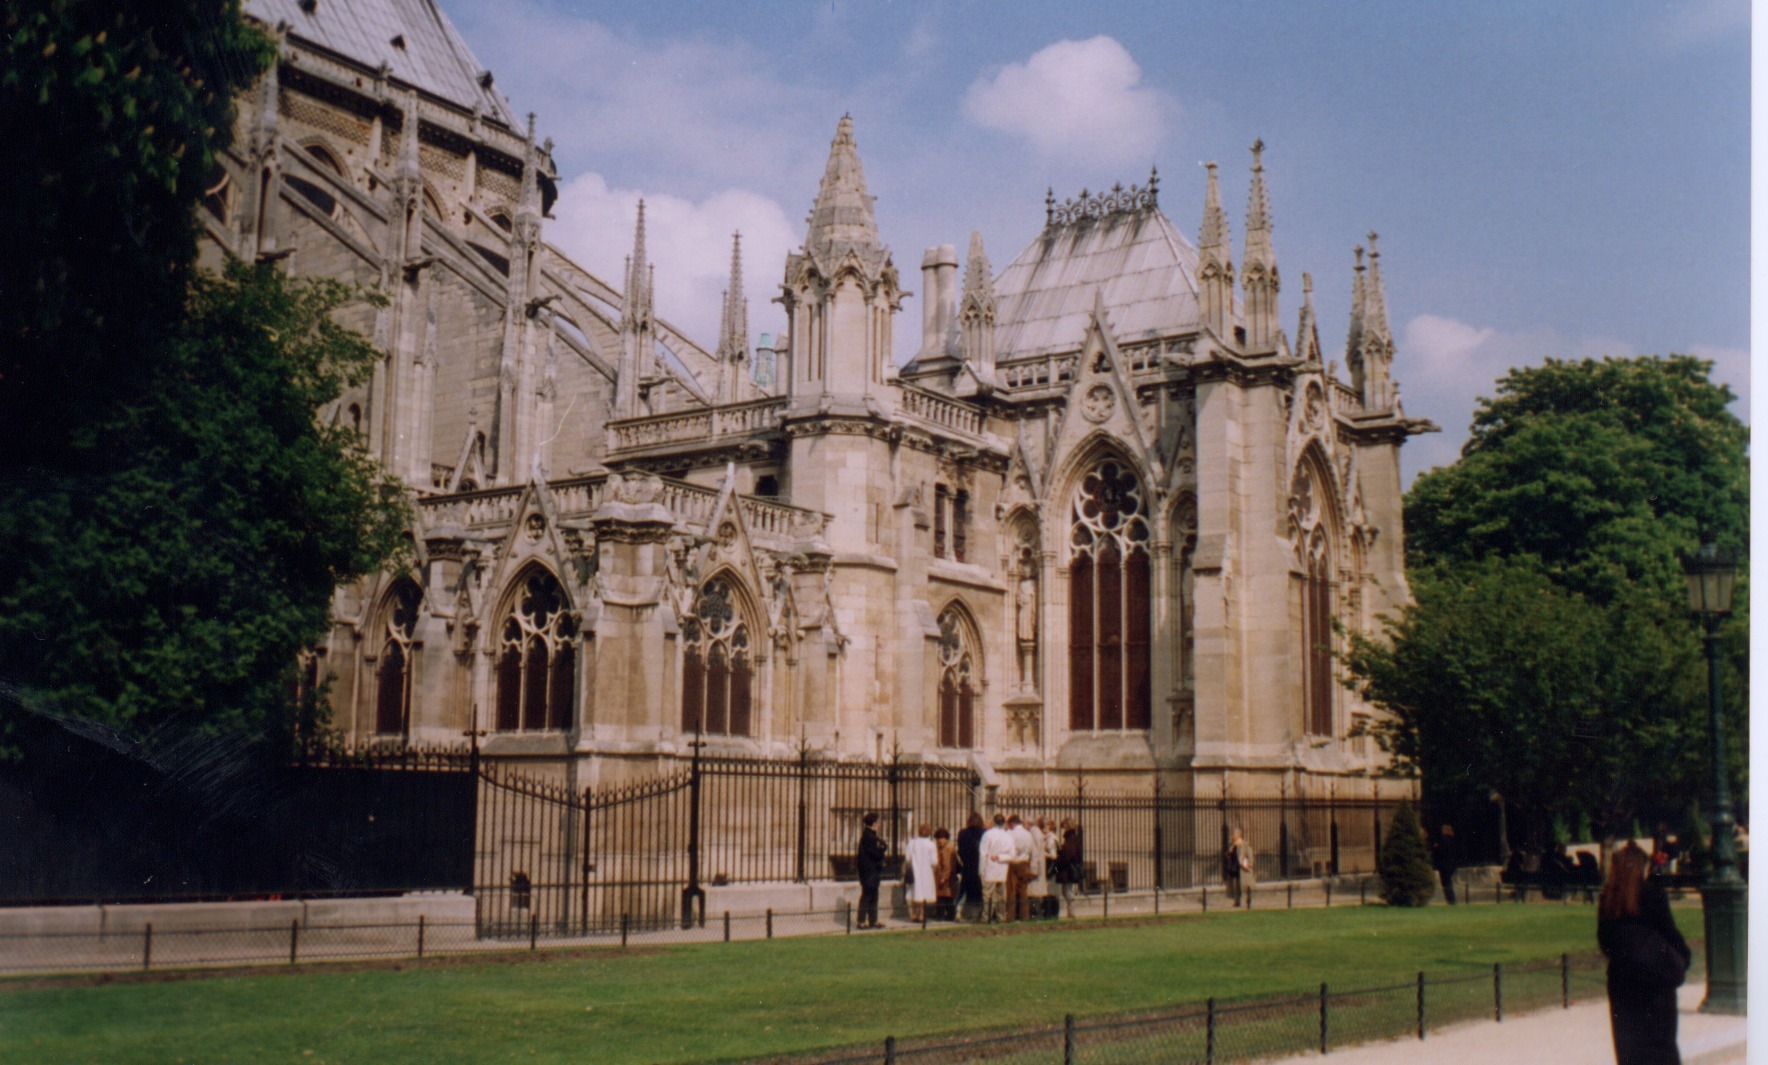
(870, 861)
(1446, 857)
(970, 867)
(1647, 958)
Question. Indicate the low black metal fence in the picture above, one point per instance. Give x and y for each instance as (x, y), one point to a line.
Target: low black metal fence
(1216, 1032)
(120, 939)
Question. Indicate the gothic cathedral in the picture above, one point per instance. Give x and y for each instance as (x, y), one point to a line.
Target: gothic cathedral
(1108, 521)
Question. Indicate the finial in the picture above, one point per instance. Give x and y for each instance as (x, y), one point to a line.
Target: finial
(1049, 205)
(1359, 266)
(1373, 254)
(1154, 186)
(1258, 147)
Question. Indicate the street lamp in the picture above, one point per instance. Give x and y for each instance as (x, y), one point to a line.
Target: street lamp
(1712, 574)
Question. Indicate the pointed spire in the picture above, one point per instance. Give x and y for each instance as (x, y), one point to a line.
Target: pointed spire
(978, 282)
(733, 330)
(1215, 264)
(1353, 346)
(843, 211)
(1375, 300)
(1307, 329)
(639, 272)
(1258, 266)
(1258, 213)
(1212, 236)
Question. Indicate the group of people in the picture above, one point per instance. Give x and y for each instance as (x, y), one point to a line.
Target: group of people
(988, 872)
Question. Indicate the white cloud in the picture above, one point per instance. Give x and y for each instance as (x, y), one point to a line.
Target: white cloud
(689, 243)
(1074, 98)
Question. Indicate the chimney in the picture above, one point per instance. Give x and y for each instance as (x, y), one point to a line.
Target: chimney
(939, 297)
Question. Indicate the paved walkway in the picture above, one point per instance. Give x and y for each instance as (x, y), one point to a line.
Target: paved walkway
(1577, 1036)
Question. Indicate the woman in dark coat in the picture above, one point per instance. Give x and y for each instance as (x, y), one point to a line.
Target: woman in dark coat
(1647, 958)
(970, 865)
(872, 852)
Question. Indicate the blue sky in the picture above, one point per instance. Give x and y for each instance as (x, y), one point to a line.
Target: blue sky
(1561, 179)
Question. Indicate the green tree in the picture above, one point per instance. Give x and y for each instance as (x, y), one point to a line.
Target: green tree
(113, 115)
(1549, 656)
(1404, 863)
(1602, 470)
(174, 590)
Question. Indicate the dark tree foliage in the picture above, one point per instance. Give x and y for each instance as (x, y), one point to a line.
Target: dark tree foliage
(113, 115)
(174, 588)
(1404, 863)
(1549, 656)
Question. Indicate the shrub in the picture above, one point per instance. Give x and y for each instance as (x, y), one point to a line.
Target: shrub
(1406, 875)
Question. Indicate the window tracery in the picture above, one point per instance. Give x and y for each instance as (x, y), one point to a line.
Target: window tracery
(392, 709)
(537, 660)
(957, 682)
(1109, 602)
(717, 691)
(1309, 532)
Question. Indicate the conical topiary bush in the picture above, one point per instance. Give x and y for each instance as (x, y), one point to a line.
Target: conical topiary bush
(1406, 876)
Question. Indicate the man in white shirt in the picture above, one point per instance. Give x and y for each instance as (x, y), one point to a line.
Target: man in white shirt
(997, 854)
(1019, 875)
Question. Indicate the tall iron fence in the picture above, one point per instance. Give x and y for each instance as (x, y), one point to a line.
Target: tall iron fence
(642, 855)
(1150, 840)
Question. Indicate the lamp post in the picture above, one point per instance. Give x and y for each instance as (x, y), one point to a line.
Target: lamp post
(1712, 574)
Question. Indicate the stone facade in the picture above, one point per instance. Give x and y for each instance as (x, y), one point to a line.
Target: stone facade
(1101, 524)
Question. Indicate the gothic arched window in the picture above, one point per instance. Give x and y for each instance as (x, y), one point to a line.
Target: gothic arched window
(537, 659)
(957, 682)
(1109, 603)
(392, 701)
(717, 678)
(1313, 548)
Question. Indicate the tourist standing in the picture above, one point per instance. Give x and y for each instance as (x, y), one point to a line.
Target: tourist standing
(919, 858)
(870, 862)
(1019, 874)
(1446, 857)
(1037, 889)
(1069, 860)
(970, 865)
(1237, 871)
(997, 857)
(945, 875)
(1647, 959)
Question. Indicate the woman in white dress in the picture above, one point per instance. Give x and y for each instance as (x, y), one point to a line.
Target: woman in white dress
(921, 855)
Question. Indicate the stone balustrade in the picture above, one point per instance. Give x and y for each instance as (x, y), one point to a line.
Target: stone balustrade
(940, 411)
(709, 423)
(578, 498)
(1344, 398)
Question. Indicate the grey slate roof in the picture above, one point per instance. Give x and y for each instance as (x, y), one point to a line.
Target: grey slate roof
(1146, 269)
(434, 57)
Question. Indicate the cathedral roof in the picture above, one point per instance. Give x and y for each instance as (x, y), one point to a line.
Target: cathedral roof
(1115, 245)
(412, 37)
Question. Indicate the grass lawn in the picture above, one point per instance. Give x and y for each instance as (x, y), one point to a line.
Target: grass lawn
(711, 1002)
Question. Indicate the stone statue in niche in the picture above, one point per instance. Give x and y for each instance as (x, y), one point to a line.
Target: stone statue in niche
(1025, 600)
